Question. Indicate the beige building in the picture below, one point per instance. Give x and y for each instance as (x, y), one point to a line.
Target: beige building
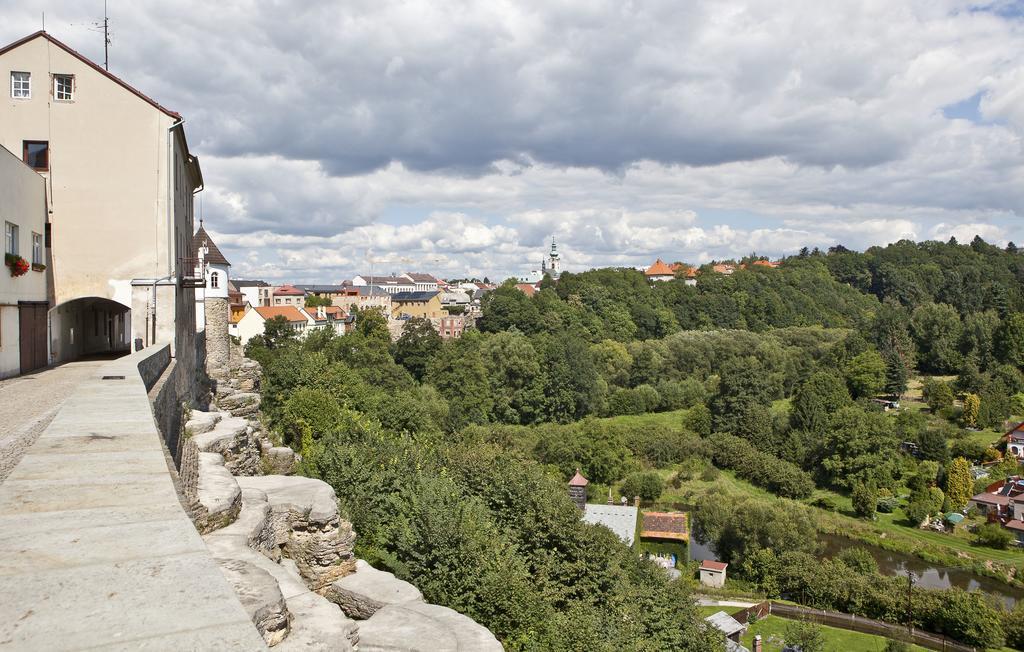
(120, 183)
(417, 304)
(253, 323)
(24, 286)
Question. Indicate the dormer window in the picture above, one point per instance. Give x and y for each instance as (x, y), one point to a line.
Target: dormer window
(64, 87)
(21, 85)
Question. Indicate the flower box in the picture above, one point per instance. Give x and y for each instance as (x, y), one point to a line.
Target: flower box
(38, 267)
(18, 265)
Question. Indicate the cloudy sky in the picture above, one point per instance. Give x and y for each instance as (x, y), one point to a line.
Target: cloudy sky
(458, 137)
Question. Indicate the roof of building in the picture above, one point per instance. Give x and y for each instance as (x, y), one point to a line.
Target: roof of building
(712, 565)
(289, 291)
(330, 312)
(371, 290)
(991, 499)
(414, 297)
(1017, 429)
(291, 313)
(386, 280)
(665, 525)
(620, 519)
(578, 480)
(239, 283)
(659, 268)
(213, 254)
(421, 278)
(1015, 524)
(527, 288)
(321, 288)
(114, 78)
(723, 268)
(767, 263)
(955, 517)
(725, 623)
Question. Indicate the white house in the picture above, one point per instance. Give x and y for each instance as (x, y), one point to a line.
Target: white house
(390, 284)
(252, 324)
(421, 282)
(24, 280)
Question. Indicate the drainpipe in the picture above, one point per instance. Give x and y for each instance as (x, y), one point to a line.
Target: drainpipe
(171, 244)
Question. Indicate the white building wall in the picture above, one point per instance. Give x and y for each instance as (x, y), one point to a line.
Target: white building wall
(22, 202)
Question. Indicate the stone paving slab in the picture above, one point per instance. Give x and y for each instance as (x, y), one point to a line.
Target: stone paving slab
(95, 549)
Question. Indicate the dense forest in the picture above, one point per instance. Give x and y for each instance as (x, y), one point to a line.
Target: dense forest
(450, 457)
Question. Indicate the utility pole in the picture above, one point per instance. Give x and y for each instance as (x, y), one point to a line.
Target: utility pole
(106, 38)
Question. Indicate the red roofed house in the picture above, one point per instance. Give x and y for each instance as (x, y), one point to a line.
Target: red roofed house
(252, 324)
(1015, 441)
(289, 295)
(712, 573)
(527, 288)
(660, 271)
(1003, 503)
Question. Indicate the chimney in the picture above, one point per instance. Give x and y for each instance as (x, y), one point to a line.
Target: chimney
(757, 643)
(321, 312)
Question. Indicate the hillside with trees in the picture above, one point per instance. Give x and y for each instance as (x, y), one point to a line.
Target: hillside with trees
(451, 456)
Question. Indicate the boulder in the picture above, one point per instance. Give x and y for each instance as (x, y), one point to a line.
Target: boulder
(200, 422)
(367, 590)
(260, 596)
(421, 627)
(308, 526)
(240, 404)
(219, 495)
(279, 460)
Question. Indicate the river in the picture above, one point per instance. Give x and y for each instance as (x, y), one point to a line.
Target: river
(894, 563)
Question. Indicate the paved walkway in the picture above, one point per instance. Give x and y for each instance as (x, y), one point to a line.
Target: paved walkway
(95, 549)
(28, 404)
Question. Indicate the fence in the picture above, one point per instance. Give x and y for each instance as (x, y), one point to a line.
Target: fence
(866, 626)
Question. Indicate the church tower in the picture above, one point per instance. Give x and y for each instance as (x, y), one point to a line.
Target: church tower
(554, 264)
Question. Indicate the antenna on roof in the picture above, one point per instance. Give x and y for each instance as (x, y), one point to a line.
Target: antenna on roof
(106, 38)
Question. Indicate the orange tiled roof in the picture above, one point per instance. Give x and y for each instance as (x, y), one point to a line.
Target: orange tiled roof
(767, 263)
(659, 268)
(526, 288)
(578, 480)
(291, 313)
(709, 564)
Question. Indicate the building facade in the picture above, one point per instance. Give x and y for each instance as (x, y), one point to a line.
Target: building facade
(24, 280)
(213, 300)
(120, 182)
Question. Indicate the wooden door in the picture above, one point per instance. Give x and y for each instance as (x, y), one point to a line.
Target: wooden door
(32, 327)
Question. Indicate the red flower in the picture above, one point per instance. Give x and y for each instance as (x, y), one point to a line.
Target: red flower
(18, 265)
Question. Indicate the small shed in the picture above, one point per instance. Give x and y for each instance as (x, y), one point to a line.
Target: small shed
(712, 573)
(732, 628)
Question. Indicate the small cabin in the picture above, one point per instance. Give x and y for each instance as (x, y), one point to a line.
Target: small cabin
(712, 573)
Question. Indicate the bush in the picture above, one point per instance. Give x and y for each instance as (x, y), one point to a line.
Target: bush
(865, 500)
(647, 485)
(828, 503)
(710, 473)
(888, 504)
(993, 535)
(762, 469)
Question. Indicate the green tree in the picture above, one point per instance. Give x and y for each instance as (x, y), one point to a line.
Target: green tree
(745, 384)
(648, 485)
(865, 374)
(896, 375)
(858, 446)
(859, 560)
(1010, 340)
(972, 407)
(993, 535)
(959, 483)
(698, 419)
(865, 499)
(613, 361)
(816, 400)
(805, 635)
(937, 329)
(314, 301)
(277, 333)
(970, 618)
(417, 346)
(515, 377)
(938, 394)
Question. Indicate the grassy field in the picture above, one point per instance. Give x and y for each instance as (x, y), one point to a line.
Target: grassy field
(671, 418)
(772, 630)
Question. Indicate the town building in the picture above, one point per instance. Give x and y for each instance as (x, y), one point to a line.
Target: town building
(455, 298)
(451, 327)
(324, 291)
(406, 305)
(251, 291)
(661, 271)
(254, 321)
(578, 490)
(213, 306)
(288, 295)
(712, 573)
(236, 302)
(25, 280)
(732, 628)
(120, 181)
(391, 284)
(620, 519)
(1003, 502)
(422, 282)
(365, 297)
(527, 288)
(332, 318)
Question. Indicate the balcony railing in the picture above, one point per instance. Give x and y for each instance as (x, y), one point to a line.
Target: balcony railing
(190, 271)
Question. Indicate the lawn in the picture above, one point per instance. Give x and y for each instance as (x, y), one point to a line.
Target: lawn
(673, 418)
(772, 630)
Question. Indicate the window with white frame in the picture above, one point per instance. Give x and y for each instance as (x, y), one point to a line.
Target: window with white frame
(214, 280)
(64, 87)
(21, 85)
(11, 238)
(37, 248)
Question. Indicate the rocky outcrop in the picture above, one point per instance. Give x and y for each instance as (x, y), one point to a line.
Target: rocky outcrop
(281, 542)
(364, 592)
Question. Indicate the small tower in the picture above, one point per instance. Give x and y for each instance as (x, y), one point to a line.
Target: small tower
(578, 490)
(554, 262)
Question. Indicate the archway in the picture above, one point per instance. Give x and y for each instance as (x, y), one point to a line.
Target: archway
(89, 326)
